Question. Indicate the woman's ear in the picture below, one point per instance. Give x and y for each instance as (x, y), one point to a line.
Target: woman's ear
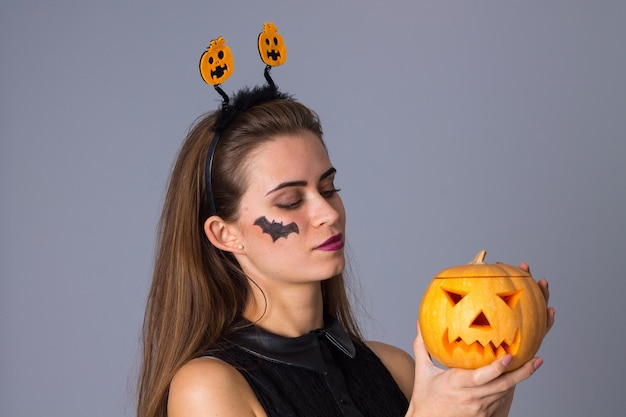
(222, 235)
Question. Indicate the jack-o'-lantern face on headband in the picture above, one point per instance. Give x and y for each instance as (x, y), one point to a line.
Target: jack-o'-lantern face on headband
(216, 63)
(272, 46)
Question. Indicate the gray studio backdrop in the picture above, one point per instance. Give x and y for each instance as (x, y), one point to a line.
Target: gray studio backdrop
(455, 126)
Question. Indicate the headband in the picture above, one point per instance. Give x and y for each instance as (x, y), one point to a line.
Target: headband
(216, 66)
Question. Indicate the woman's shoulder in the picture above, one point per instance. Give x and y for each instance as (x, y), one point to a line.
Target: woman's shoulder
(209, 386)
(398, 362)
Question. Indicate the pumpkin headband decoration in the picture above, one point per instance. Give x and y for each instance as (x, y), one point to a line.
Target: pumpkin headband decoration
(217, 65)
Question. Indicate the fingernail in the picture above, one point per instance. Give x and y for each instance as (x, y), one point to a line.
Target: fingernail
(537, 364)
(506, 360)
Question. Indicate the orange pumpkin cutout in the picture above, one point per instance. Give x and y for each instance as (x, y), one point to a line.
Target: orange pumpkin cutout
(216, 63)
(472, 314)
(272, 46)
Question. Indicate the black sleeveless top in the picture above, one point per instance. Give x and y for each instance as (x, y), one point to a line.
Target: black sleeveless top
(321, 374)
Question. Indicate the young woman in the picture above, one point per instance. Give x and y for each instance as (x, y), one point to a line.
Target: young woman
(248, 315)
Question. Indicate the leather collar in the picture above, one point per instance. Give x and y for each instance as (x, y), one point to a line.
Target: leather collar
(303, 351)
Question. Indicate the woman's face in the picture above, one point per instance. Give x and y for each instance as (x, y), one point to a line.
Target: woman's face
(291, 221)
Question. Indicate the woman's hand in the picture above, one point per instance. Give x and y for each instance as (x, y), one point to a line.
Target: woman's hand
(482, 392)
(543, 285)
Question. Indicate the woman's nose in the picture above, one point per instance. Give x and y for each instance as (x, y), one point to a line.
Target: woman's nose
(327, 210)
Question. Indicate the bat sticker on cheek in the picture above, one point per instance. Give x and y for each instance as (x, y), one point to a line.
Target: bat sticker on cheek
(275, 229)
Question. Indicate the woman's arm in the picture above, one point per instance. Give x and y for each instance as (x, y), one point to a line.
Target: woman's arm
(399, 364)
(210, 387)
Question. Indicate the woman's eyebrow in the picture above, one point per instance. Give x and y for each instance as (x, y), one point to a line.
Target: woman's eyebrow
(287, 184)
(282, 185)
(328, 173)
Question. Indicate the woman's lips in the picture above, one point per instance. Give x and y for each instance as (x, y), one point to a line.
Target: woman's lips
(332, 243)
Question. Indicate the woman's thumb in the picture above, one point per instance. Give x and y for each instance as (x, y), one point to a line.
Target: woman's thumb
(422, 357)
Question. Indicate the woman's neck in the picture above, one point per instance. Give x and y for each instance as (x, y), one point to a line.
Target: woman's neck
(290, 312)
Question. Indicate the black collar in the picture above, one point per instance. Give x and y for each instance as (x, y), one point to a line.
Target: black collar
(303, 351)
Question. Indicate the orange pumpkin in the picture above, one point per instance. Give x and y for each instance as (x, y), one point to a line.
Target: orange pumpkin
(272, 46)
(472, 314)
(216, 63)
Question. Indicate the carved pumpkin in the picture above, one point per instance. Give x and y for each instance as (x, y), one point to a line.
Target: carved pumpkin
(472, 314)
(271, 45)
(216, 63)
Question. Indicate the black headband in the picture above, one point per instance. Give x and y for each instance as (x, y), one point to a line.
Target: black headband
(216, 66)
(241, 102)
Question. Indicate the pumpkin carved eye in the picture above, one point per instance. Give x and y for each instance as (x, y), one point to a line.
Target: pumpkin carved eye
(510, 298)
(454, 296)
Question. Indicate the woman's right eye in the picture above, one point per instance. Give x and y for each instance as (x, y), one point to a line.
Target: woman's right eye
(289, 206)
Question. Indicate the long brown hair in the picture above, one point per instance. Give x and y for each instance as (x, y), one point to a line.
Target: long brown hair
(198, 292)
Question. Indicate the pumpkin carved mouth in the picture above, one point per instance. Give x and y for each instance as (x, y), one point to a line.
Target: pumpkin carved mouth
(489, 349)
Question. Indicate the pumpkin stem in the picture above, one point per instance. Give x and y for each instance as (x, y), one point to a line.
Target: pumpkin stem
(479, 258)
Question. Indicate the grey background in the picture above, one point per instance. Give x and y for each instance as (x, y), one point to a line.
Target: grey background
(455, 126)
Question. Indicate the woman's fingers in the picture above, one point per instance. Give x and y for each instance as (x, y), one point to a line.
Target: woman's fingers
(511, 379)
(543, 285)
(494, 378)
(488, 373)
(525, 267)
(545, 290)
(423, 361)
(551, 313)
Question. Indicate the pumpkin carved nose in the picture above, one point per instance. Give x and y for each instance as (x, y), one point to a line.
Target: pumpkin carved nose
(481, 321)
